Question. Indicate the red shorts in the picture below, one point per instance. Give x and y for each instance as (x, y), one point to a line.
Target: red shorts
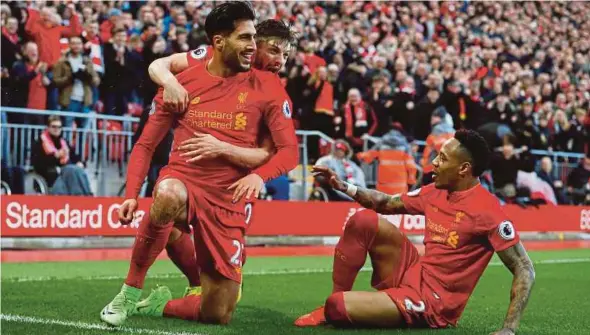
(416, 303)
(219, 233)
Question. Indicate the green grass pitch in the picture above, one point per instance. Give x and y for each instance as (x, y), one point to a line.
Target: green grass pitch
(66, 298)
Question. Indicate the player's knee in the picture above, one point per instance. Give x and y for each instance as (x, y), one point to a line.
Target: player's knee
(363, 222)
(168, 204)
(175, 234)
(219, 314)
(335, 310)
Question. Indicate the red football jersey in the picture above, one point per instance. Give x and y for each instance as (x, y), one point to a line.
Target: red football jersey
(233, 110)
(463, 230)
(199, 56)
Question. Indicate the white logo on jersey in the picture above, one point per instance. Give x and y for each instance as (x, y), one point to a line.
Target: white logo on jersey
(248, 212)
(153, 108)
(506, 230)
(414, 193)
(199, 53)
(411, 306)
(585, 219)
(286, 109)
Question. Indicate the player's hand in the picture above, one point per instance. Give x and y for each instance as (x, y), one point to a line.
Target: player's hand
(251, 184)
(504, 331)
(202, 146)
(330, 176)
(175, 97)
(127, 211)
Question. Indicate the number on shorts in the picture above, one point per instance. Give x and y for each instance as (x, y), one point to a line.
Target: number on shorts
(410, 306)
(248, 213)
(236, 259)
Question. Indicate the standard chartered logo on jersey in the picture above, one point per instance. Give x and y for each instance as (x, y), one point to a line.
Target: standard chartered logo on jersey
(20, 216)
(213, 119)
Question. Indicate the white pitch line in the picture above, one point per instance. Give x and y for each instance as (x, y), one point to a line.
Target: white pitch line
(86, 326)
(254, 273)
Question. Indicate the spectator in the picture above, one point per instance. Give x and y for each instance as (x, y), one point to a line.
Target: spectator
(10, 44)
(381, 101)
(505, 166)
(578, 182)
(10, 54)
(75, 77)
(339, 161)
(30, 80)
(359, 119)
(396, 170)
(546, 174)
(51, 159)
(45, 28)
(119, 77)
(322, 115)
(107, 26)
(179, 41)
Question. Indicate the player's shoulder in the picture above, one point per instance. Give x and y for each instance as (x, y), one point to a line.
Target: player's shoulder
(200, 54)
(487, 208)
(424, 191)
(264, 77)
(191, 73)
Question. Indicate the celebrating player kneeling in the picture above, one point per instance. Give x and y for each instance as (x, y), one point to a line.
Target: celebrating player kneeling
(464, 226)
(229, 101)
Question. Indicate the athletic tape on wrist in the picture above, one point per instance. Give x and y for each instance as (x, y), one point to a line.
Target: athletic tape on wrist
(351, 189)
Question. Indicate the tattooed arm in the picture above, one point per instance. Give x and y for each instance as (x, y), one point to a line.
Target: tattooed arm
(518, 262)
(378, 201)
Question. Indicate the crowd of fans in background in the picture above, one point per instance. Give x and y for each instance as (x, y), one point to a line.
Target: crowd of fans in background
(517, 72)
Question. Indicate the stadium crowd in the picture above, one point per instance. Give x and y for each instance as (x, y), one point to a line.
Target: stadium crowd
(517, 72)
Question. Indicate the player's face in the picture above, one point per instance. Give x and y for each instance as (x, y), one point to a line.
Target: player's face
(447, 165)
(271, 55)
(239, 47)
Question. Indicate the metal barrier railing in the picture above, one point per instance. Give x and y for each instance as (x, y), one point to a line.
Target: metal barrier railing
(106, 150)
(305, 134)
(103, 144)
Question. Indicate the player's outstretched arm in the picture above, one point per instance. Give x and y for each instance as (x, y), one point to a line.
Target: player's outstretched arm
(378, 201)
(162, 72)
(155, 130)
(518, 262)
(206, 146)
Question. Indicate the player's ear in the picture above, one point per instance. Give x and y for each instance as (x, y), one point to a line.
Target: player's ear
(465, 168)
(218, 42)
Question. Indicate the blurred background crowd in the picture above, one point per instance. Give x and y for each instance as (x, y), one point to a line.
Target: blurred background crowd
(519, 72)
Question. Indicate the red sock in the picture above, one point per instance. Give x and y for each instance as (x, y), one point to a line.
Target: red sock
(186, 308)
(352, 248)
(182, 253)
(150, 240)
(335, 311)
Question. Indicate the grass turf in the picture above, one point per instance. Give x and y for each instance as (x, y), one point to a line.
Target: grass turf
(66, 298)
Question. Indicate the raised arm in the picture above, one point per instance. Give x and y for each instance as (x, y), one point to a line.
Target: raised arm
(518, 262)
(162, 72)
(378, 201)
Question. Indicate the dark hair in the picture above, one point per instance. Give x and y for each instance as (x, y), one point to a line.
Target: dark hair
(147, 26)
(477, 149)
(222, 18)
(275, 29)
(118, 29)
